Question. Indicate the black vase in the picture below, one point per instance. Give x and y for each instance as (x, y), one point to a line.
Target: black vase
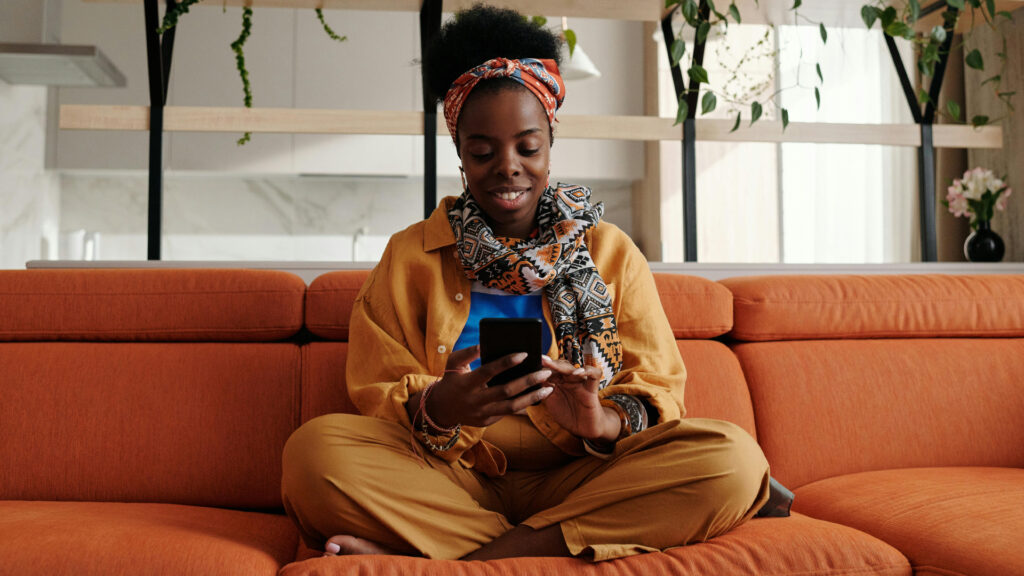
(984, 245)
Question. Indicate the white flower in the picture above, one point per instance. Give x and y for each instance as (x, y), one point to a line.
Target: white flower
(975, 183)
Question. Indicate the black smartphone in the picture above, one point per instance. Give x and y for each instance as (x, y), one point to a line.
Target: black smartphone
(503, 336)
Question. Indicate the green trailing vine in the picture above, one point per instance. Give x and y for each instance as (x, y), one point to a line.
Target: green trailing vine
(327, 29)
(172, 15)
(929, 45)
(701, 15)
(237, 46)
(170, 20)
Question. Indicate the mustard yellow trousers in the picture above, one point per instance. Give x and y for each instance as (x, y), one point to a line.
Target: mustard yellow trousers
(676, 483)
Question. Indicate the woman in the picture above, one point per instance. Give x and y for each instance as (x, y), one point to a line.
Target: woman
(594, 462)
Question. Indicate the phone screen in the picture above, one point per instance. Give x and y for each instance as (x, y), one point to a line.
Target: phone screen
(503, 336)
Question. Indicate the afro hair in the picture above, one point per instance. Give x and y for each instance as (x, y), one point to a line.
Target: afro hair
(479, 34)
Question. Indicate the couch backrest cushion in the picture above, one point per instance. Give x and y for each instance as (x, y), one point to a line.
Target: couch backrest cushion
(801, 307)
(696, 307)
(715, 387)
(197, 305)
(329, 302)
(187, 423)
(323, 380)
(829, 407)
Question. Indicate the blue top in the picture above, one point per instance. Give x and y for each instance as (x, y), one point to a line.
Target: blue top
(491, 303)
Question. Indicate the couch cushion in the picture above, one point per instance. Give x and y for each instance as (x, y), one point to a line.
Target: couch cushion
(794, 307)
(85, 538)
(715, 387)
(696, 307)
(765, 546)
(945, 520)
(832, 407)
(153, 422)
(323, 380)
(329, 302)
(148, 305)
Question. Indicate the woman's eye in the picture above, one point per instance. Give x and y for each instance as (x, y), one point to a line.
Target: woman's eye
(480, 155)
(530, 152)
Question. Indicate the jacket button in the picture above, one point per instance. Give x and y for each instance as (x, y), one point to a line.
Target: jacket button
(458, 297)
(441, 349)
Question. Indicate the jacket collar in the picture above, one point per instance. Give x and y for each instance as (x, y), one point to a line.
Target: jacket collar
(437, 233)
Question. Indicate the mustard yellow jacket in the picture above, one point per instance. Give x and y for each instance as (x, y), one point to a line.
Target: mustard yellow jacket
(410, 312)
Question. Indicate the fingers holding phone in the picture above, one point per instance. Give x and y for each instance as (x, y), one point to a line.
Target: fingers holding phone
(472, 398)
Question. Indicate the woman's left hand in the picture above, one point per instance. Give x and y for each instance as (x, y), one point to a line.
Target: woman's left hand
(574, 403)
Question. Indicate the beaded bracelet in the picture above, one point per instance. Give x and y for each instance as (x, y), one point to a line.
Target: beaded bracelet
(426, 417)
(426, 423)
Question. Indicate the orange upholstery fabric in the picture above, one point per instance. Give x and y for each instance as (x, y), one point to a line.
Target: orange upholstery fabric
(768, 546)
(715, 387)
(149, 305)
(897, 306)
(103, 539)
(323, 380)
(185, 423)
(832, 407)
(329, 302)
(696, 308)
(945, 520)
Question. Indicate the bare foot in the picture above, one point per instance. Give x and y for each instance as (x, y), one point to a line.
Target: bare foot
(345, 545)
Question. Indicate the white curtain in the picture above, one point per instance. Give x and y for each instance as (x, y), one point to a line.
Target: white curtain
(845, 203)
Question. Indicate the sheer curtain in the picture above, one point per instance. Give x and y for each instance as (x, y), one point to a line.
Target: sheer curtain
(845, 203)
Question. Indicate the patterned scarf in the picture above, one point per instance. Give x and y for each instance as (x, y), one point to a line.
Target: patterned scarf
(556, 260)
(539, 76)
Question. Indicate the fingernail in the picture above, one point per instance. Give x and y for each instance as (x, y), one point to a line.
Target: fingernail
(519, 357)
(546, 357)
(545, 392)
(332, 548)
(579, 372)
(543, 374)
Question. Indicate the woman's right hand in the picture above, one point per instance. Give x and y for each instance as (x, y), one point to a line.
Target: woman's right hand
(462, 396)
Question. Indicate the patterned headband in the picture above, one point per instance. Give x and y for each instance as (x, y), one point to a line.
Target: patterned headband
(539, 76)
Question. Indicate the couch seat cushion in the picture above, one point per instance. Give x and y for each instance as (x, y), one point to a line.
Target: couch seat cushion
(763, 546)
(84, 538)
(945, 520)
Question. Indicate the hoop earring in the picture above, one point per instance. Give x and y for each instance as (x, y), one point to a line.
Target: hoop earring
(465, 186)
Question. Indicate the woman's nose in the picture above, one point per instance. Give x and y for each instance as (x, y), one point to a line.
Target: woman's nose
(508, 164)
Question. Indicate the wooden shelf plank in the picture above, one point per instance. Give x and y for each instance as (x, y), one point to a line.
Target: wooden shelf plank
(633, 128)
(610, 9)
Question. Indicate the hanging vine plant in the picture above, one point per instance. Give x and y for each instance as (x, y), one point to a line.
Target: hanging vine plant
(238, 46)
(936, 43)
(701, 16)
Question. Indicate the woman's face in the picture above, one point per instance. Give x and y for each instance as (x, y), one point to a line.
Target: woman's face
(504, 142)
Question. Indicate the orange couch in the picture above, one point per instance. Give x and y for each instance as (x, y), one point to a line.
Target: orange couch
(143, 413)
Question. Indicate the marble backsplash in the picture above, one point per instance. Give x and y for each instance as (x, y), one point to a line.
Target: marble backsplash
(218, 217)
(29, 211)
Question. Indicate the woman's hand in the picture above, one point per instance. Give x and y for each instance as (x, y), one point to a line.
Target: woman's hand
(463, 396)
(574, 404)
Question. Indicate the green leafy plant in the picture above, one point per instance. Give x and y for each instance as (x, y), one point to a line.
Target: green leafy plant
(932, 44)
(702, 16)
(170, 20)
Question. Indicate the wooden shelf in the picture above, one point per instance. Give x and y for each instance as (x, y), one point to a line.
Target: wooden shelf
(630, 128)
(646, 10)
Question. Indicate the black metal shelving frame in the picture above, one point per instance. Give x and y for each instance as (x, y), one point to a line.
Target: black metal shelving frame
(160, 50)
